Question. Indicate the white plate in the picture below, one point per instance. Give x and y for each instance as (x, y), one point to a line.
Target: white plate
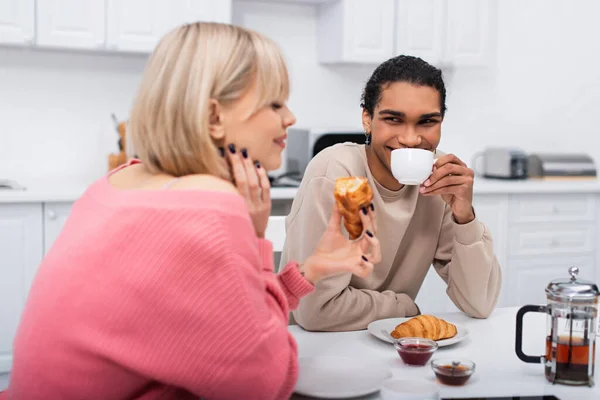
(389, 324)
(339, 377)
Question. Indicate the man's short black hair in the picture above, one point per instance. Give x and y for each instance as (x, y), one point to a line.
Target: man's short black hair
(407, 69)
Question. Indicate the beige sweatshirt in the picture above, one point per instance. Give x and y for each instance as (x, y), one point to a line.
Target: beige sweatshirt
(415, 232)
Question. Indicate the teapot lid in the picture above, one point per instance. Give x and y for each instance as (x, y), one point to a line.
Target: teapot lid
(572, 289)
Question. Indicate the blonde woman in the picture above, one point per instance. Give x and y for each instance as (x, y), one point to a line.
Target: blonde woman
(161, 284)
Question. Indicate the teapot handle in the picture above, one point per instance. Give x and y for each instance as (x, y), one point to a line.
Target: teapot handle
(519, 334)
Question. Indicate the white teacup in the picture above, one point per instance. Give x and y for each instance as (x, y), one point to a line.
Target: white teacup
(411, 166)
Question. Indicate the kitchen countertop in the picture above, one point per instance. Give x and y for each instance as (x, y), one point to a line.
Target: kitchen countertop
(65, 192)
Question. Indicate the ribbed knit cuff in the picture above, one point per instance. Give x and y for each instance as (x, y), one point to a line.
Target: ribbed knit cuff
(294, 284)
(265, 251)
(468, 233)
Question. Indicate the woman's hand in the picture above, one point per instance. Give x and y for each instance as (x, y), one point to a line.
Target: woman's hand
(336, 254)
(453, 180)
(253, 184)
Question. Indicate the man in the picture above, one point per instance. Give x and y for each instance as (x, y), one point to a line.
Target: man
(435, 223)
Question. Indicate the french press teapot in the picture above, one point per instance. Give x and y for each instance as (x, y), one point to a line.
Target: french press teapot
(571, 326)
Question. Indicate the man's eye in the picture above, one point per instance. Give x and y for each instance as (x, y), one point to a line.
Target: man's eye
(393, 119)
(276, 106)
(428, 121)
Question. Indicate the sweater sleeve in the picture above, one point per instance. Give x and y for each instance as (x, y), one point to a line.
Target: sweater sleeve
(334, 305)
(465, 259)
(214, 322)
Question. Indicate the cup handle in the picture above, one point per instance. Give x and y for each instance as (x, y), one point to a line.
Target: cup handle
(519, 334)
(474, 160)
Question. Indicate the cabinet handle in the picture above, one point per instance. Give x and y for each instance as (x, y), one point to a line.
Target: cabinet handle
(555, 243)
(51, 214)
(555, 210)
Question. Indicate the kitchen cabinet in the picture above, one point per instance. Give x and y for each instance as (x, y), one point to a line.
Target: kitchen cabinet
(71, 24)
(17, 22)
(355, 31)
(21, 245)
(457, 33)
(470, 32)
(421, 29)
(138, 25)
(55, 216)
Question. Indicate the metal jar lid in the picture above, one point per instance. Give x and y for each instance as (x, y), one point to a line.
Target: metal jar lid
(575, 290)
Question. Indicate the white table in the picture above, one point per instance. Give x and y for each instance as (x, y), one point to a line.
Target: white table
(490, 345)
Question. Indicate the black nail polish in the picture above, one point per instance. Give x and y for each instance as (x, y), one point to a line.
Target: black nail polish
(257, 164)
(232, 148)
(244, 153)
(222, 151)
(368, 232)
(364, 210)
(372, 207)
(365, 258)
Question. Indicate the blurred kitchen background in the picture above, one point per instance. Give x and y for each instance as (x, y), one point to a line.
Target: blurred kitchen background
(523, 88)
(520, 73)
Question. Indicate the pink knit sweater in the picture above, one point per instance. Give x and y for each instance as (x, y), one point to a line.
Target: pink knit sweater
(157, 294)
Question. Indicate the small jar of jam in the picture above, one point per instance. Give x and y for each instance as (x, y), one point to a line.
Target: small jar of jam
(453, 372)
(415, 351)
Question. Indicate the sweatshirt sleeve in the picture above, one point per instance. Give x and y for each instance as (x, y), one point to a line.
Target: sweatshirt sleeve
(466, 261)
(334, 305)
(215, 323)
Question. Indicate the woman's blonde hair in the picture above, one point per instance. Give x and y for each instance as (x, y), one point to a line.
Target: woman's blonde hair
(169, 122)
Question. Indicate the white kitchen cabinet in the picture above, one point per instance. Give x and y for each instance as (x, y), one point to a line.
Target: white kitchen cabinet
(355, 31)
(421, 29)
(457, 33)
(531, 277)
(55, 216)
(201, 10)
(138, 25)
(21, 248)
(17, 22)
(470, 32)
(71, 24)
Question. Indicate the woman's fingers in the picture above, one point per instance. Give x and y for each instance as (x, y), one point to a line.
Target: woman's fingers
(238, 170)
(336, 218)
(251, 176)
(263, 181)
(366, 219)
(373, 216)
(364, 267)
(370, 241)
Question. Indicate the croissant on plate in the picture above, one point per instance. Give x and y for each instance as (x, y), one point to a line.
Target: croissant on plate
(425, 326)
(351, 194)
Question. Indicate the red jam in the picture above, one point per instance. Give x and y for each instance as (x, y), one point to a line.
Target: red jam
(415, 354)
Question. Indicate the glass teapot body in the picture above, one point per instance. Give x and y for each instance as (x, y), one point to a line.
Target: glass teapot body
(571, 328)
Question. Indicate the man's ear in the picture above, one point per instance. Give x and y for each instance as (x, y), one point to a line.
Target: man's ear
(366, 121)
(215, 120)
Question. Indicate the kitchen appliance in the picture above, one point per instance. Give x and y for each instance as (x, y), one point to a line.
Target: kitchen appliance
(11, 185)
(547, 166)
(303, 144)
(502, 163)
(572, 311)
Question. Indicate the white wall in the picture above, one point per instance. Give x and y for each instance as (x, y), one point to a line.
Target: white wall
(55, 112)
(543, 94)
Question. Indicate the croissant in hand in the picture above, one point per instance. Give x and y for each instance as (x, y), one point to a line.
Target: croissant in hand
(351, 194)
(425, 326)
